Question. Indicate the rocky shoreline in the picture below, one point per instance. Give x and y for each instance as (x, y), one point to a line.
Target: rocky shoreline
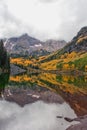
(82, 125)
(81, 122)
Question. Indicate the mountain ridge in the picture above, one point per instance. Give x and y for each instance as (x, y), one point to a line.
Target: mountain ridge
(71, 57)
(27, 44)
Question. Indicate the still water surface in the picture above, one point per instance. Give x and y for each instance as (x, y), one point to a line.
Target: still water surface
(41, 101)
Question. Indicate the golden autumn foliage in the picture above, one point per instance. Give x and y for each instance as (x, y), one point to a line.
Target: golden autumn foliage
(50, 65)
(81, 39)
(67, 61)
(85, 78)
(49, 77)
(67, 66)
(20, 78)
(66, 78)
(86, 68)
(21, 61)
(64, 85)
(70, 56)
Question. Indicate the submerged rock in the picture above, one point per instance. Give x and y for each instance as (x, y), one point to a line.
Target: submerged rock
(81, 126)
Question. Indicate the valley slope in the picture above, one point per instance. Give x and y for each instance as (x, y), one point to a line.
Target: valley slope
(71, 57)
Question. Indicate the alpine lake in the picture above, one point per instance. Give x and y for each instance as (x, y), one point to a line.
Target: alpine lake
(41, 101)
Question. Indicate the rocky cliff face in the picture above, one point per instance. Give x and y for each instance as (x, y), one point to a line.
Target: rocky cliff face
(79, 42)
(54, 45)
(21, 45)
(81, 33)
(25, 45)
(40, 52)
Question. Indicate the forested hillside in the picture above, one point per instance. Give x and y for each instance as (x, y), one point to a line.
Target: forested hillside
(71, 57)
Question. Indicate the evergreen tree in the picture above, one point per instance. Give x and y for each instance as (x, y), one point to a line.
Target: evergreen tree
(4, 58)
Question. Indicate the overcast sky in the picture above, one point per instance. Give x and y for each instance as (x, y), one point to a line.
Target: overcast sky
(43, 19)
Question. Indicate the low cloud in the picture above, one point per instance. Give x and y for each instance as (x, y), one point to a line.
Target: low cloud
(61, 19)
(48, 1)
(9, 24)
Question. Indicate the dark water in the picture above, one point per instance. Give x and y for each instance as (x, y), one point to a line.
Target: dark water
(33, 102)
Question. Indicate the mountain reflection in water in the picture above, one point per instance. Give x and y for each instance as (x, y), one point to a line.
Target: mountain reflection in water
(50, 88)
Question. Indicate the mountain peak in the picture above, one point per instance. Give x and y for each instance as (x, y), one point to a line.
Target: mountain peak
(79, 42)
(80, 34)
(83, 31)
(25, 35)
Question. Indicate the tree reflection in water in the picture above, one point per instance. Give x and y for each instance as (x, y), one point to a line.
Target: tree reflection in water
(4, 79)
